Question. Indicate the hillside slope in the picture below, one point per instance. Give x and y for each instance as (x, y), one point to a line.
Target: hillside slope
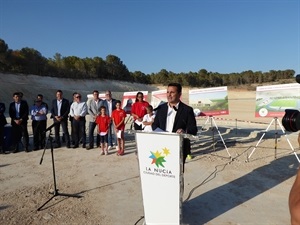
(31, 85)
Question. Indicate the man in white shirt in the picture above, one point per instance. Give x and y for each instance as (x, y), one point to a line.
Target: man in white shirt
(78, 111)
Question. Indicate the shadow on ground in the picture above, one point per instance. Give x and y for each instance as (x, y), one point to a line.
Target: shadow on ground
(213, 203)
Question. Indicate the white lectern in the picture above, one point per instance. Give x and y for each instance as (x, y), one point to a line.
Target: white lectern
(160, 165)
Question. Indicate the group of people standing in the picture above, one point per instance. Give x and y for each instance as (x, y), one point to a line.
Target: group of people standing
(102, 116)
(105, 115)
(19, 112)
(109, 117)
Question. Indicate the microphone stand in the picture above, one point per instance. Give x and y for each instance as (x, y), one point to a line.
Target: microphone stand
(55, 191)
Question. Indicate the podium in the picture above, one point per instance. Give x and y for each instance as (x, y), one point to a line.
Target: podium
(160, 167)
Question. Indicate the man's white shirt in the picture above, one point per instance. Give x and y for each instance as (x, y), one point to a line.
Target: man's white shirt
(171, 118)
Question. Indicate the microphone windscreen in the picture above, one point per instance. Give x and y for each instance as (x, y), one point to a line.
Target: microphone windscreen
(298, 78)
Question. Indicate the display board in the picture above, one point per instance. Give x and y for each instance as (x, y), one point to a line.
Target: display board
(273, 100)
(101, 95)
(129, 99)
(209, 101)
(158, 97)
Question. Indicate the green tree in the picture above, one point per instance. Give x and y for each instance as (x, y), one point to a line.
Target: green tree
(116, 69)
(32, 61)
(140, 77)
(4, 53)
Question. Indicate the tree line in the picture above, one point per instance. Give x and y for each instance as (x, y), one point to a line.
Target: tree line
(30, 61)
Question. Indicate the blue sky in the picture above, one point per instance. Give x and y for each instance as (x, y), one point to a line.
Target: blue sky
(221, 36)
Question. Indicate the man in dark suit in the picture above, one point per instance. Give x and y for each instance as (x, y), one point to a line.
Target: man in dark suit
(176, 117)
(59, 112)
(18, 112)
(110, 105)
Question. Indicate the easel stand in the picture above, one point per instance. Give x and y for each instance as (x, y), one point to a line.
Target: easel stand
(55, 192)
(276, 121)
(213, 128)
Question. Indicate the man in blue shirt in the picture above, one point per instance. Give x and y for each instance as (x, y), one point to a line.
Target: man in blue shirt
(38, 114)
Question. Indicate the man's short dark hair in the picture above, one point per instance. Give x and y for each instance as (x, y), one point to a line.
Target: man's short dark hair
(40, 96)
(179, 87)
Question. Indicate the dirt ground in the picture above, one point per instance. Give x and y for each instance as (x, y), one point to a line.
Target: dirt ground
(218, 189)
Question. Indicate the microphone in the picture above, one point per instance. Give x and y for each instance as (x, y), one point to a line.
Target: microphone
(298, 78)
(175, 108)
(50, 127)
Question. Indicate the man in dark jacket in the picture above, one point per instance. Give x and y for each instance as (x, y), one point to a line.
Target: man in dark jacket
(59, 112)
(176, 117)
(18, 112)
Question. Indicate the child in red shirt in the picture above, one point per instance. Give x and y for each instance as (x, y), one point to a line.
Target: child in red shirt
(103, 122)
(118, 116)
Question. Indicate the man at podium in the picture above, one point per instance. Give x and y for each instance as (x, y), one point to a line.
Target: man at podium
(176, 117)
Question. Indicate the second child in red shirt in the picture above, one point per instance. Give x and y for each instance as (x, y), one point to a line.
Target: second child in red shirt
(118, 116)
(103, 122)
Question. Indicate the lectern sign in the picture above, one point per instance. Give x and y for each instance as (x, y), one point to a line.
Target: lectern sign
(159, 163)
